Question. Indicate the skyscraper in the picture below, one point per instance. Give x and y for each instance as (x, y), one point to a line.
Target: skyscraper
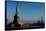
(42, 23)
(41, 19)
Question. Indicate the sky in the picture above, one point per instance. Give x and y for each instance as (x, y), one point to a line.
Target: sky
(27, 11)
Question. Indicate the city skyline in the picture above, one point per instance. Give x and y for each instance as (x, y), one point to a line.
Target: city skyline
(26, 10)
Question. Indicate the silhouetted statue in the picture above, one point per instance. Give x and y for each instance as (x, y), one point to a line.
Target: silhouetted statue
(15, 19)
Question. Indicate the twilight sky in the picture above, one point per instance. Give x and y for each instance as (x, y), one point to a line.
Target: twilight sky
(27, 11)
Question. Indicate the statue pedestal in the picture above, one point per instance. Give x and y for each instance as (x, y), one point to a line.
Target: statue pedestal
(17, 25)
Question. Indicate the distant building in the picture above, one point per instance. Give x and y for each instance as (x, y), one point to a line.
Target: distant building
(41, 19)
